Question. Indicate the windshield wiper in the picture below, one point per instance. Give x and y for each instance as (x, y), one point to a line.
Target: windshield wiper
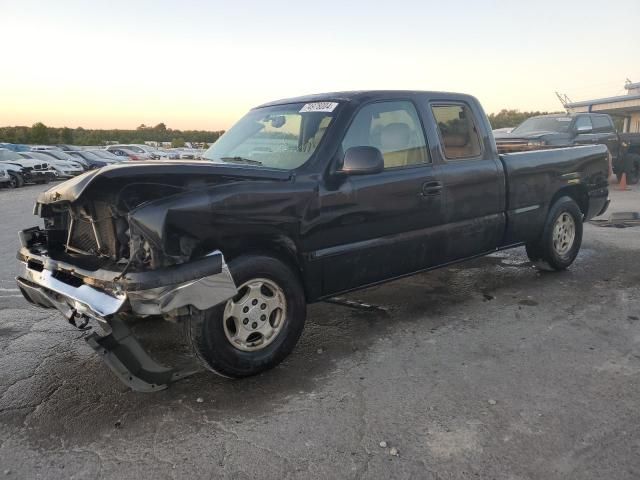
(248, 161)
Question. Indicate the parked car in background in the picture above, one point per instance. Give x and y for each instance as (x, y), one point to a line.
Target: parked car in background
(169, 154)
(153, 152)
(5, 178)
(129, 151)
(106, 154)
(34, 171)
(16, 174)
(68, 148)
(188, 153)
(15, 147)
(501, 131)
(43, 148)
(65, 157)
(566, 130)
(63, 168)
(91, 159)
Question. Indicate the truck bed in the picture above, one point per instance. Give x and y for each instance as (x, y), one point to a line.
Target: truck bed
(535, 179)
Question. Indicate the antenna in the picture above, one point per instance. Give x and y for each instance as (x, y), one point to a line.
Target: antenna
(564, 99)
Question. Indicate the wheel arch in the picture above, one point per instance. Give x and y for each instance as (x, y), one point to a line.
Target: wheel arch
(279, 246)
(578, 193)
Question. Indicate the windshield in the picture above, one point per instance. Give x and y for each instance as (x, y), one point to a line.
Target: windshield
(59, 155)
(544, 124)
(283, 136)
(130, 148)
(86, 155)
(92, 156)
(8, 155)
(106, 154)
(37, 156)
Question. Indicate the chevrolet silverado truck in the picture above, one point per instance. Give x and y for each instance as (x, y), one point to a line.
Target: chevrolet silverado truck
(301, 200)
(566, 130)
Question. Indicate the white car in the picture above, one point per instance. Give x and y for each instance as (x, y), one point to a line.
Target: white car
(5, 178)
(16, 174)
(33, 170)
(153, 152)
(43, 148)
(63, 168)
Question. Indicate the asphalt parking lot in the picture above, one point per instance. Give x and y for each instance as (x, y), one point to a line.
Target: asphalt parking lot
(487, 369)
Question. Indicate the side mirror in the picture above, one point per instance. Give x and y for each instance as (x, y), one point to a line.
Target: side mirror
(584, 129)
(362, 161)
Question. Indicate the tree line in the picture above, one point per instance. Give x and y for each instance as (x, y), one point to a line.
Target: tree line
(39, 133)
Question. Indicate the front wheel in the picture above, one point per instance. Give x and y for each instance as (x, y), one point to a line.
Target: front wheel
(255, 330)
(561, 238)
(16, 180)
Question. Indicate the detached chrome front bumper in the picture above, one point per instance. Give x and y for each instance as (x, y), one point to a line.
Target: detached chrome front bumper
(101, 294)
(104, 295)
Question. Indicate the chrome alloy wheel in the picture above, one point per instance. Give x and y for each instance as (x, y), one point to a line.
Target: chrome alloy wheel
(564, 234)
(255, 316)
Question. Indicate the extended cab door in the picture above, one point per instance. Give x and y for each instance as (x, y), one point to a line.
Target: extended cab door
(606, 134)
(592, 129)
(380, 226)
(473, 185)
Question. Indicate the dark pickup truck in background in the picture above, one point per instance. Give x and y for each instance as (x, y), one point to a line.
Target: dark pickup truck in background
(302, 199)
(565, 130)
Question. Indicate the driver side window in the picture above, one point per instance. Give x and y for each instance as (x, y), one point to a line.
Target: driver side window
(394, 129)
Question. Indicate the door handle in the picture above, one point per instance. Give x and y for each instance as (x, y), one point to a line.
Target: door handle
(431, 189)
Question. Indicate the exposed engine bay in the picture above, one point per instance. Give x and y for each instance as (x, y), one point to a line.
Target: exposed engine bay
(99, 228)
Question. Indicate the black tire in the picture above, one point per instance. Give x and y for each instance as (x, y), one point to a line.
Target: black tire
(17, 180)
(206, 334)
(543, 253)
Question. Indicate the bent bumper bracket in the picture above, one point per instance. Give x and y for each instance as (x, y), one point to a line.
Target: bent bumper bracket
(131, 363)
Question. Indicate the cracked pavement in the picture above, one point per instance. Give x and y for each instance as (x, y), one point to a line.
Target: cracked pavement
(487, 369)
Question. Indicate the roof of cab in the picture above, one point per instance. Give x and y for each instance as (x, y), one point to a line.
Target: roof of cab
(360, 95)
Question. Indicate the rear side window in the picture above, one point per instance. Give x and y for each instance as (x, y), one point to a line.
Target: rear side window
(583, 122)
(602, 123)
(394, 129)
(458, 131)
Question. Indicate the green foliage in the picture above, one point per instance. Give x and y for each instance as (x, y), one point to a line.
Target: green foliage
(177, 142)
(66, 135)
(511, 118)
(40, 134)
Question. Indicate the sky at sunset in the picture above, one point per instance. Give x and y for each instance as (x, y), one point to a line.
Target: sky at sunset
(202, 64)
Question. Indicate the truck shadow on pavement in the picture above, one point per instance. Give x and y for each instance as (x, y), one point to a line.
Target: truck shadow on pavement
(74, 395)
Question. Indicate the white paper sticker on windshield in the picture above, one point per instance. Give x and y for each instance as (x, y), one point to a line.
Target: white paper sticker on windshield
(563, 119)
(319, 107)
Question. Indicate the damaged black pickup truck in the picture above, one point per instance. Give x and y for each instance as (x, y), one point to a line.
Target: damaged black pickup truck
(301, 200)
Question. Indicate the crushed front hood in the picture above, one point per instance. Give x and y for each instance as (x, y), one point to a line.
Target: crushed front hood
(167, 171)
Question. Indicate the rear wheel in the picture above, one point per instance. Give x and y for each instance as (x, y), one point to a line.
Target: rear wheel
(561, 238)
(255, 330)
